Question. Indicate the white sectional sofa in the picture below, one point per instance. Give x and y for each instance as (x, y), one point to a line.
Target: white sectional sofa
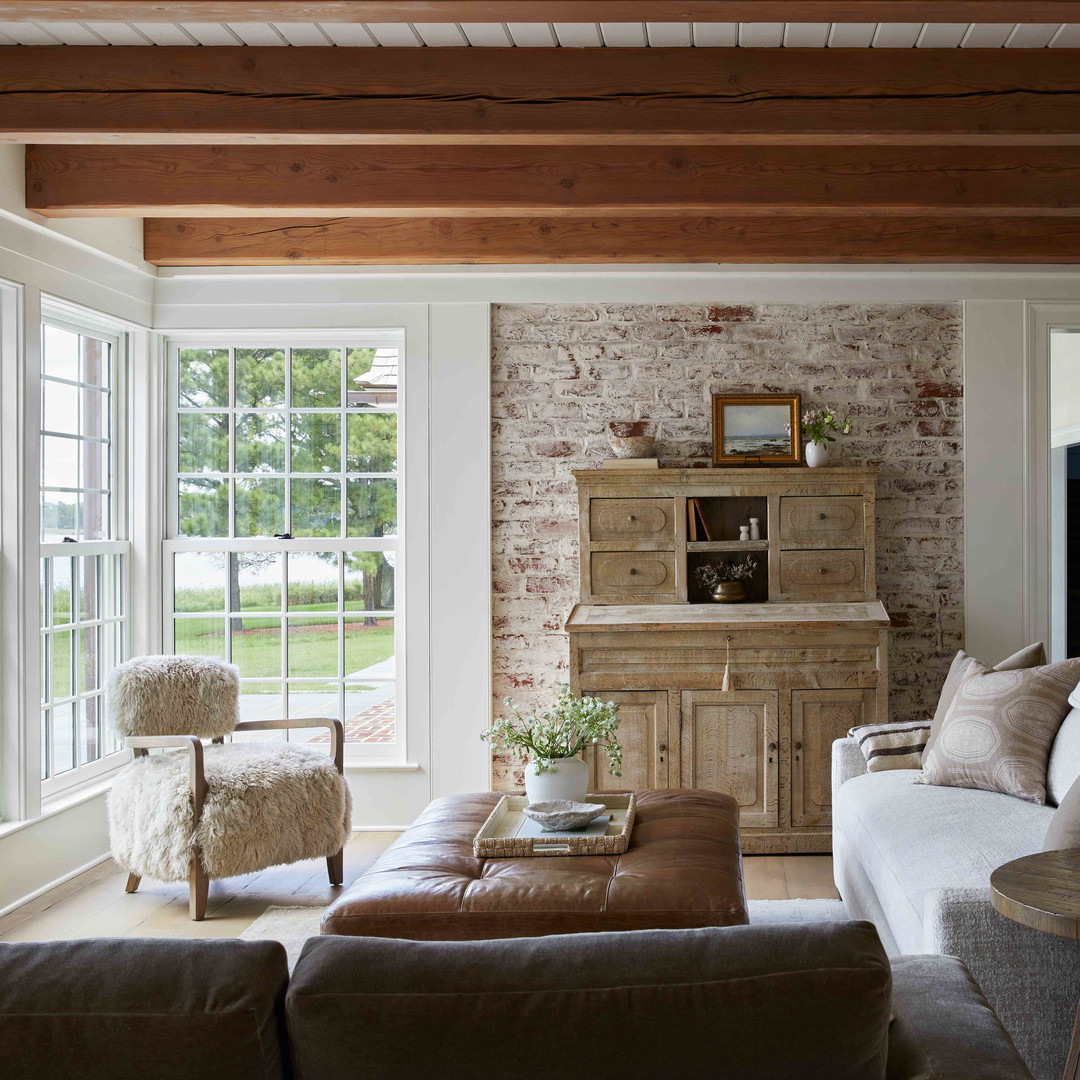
(916, 861)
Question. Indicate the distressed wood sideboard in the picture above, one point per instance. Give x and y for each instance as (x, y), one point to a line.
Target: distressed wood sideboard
(807, 654)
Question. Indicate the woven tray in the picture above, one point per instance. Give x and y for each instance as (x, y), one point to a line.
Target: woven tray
(498, 837)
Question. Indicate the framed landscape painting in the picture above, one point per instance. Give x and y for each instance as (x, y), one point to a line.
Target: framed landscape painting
(756, 429)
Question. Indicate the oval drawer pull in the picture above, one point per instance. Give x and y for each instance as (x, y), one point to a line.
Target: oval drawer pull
(823, 569)
(631, 517)
(822, 517)
(662, 747)
(772, 747)
(633, 571)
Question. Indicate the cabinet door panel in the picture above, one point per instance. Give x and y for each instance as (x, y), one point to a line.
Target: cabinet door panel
(728, 742)
(817, 718)
(643, 732)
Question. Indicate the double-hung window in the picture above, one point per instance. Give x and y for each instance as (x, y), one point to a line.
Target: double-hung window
(283, 554)
(84, 547)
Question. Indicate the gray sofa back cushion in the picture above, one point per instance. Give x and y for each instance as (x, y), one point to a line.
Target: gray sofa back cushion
(1063, 767)
(171, 1010)
(798, 1002)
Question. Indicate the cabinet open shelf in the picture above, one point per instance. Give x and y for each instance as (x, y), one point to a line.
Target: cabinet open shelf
(728, 545)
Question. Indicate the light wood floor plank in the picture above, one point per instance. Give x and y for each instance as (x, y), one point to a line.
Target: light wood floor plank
(810, 877)
(764, 877)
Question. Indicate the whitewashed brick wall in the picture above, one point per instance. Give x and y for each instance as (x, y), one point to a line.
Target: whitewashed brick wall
(562, 371)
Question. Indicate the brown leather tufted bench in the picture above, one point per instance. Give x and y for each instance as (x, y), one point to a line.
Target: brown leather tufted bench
(683, 869)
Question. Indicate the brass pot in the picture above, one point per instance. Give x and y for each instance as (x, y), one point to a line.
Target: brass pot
(729, 592)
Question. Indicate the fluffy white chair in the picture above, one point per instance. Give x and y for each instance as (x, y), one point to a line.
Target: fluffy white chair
(219, 810)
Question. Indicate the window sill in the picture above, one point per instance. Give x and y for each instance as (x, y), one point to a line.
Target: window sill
(57, 804)
(381, 766)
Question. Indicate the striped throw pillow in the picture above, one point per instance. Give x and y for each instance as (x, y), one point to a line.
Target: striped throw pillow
(892, 746)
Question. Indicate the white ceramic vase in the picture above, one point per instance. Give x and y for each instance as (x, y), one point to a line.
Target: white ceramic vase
(818, 454)
(567, 778)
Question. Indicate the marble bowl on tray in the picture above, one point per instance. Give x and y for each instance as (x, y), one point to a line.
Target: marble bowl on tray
(561, 815)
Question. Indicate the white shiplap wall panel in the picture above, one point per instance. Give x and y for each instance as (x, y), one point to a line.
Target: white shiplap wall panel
(852, 35)
(578, 35)
(1032, 35)
(165, 33)
(25, 33)
(395, 35)
(1067, 37)
(73, 33)
(986, 35)
(624, 35)
(441, 35)
(668, 35)
(351, 35)
(302, 34)
(896, 35)
(761, 35)
(942, 35)
(716, 35)
(120, 33)
(532, 35)
(256, 33)
(806, 35)
(486, 35)
(211, 33)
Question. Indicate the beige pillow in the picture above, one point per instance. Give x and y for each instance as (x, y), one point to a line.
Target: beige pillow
(1028, 657)
(1064, 829)
(997, 733)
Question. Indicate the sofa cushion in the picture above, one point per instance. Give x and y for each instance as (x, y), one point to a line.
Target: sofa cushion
(913, 838)
(106, 1009)
(1064, 828)
(801, 1002)
(1063, 767)
(944, 1028)
(999, 728)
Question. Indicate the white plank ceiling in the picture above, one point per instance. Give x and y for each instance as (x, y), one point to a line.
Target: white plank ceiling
(567, 35)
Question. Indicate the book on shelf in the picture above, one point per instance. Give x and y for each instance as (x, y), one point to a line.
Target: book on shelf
(631, 463)
(699, 526)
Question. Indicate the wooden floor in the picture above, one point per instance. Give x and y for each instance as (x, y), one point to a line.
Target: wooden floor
(94, 904)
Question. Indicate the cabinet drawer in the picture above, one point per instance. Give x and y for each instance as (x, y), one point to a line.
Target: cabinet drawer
(822, 575)
(828, 517)
(632, 519)
(630, 573)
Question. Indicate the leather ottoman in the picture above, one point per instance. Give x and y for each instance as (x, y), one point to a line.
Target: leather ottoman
(683, 869)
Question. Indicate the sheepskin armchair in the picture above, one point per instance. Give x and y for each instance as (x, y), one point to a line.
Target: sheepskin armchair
(219, 810)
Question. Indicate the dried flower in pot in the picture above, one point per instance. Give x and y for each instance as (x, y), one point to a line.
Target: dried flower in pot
(725, 581)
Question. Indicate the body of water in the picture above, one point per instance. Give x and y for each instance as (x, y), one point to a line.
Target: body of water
(757, 445)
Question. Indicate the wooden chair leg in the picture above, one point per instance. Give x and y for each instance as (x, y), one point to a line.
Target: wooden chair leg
(132, 883)
(198, 890)
(335, 867)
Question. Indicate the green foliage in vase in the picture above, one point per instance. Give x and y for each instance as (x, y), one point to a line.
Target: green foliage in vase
(560, 732)
(822, 425)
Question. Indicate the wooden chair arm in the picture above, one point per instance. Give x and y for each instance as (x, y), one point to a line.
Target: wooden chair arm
(142, 744)
(335, 727)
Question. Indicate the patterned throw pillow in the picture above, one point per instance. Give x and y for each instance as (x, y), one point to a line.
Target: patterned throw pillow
(1029, 657)
(997, 733)
(892, 746)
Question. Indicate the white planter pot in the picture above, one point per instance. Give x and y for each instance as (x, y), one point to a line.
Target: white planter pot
(818, 454)
(567, 778)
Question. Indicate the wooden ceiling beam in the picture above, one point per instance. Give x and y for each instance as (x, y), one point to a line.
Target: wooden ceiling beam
(457, 181)
(429, 241)
(70, 94)
(442, 11)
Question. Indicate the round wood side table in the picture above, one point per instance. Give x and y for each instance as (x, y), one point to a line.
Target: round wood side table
(1043, 891)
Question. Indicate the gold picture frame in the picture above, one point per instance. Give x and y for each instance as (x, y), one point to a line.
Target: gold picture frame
(756, 429)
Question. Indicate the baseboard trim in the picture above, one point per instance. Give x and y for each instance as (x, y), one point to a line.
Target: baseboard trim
(53, 884)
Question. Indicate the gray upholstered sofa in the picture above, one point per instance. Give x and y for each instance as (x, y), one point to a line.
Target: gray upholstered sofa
(733, 1003)
(916, 861)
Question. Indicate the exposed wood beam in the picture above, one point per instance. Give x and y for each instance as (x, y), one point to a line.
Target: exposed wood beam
(455, 181)
(386, 241)
(780, 96)
(544, 10)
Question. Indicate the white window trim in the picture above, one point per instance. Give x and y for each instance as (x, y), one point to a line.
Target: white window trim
(410, 546)
(61, 314)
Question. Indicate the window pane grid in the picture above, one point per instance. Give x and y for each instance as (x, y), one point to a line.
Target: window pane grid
(81, 590)
(311, 622)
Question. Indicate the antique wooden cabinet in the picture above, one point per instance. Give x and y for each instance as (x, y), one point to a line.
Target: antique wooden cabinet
(807, 654)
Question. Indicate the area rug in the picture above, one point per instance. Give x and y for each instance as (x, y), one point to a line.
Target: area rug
(292, 926)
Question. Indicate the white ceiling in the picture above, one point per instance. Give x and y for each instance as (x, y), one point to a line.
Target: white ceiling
(569, 35)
